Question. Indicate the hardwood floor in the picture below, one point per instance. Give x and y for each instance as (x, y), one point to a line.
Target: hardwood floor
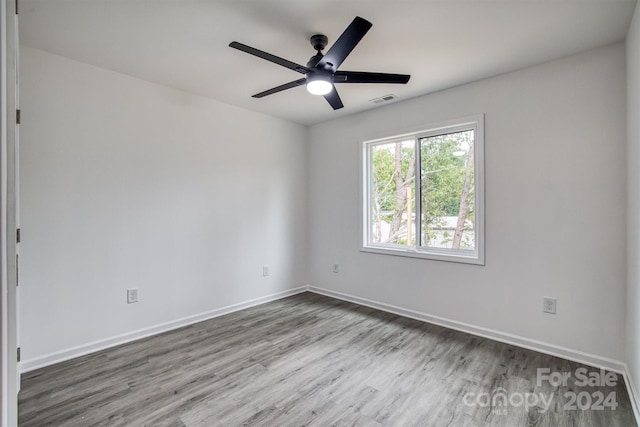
(316, 361)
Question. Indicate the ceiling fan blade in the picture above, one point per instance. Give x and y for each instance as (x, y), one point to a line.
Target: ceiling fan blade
(364, 77)
(334, 99)
(345, 44)
(269, 57)
(280, 88)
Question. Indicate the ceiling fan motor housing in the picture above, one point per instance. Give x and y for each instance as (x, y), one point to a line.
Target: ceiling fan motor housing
(319, 41)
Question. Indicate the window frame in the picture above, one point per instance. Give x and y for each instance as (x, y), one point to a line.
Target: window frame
(475, 122)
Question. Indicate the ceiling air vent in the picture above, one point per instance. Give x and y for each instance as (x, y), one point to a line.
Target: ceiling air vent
(385, 98)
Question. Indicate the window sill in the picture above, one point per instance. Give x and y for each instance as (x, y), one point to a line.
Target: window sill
(470, 258)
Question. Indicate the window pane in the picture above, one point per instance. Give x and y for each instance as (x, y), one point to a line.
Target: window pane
(447, 191)
(392, 196)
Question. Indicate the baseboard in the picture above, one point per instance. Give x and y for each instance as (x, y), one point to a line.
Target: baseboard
(551, 349)
(633, 392)
(71, 353)
(542, 347)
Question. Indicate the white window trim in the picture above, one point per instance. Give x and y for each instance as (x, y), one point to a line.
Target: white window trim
(462, 256)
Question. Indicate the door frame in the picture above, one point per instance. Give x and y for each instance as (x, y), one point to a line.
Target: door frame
(8, 213)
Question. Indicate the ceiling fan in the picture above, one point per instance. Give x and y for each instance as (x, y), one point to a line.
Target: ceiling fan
(321, 72)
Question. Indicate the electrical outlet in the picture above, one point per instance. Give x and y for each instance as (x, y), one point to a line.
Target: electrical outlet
(132, 295)
(336, 268)
(549, 305)
(265, 270)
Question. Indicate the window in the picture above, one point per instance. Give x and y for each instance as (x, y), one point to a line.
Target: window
(423, 193)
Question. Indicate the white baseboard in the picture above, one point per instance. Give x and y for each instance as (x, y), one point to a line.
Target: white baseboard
(551, 349)
(542, 347)
(633, 392)
(70, 353)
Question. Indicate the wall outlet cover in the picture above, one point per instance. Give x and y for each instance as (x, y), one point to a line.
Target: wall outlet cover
(132, 295)
(549, 305)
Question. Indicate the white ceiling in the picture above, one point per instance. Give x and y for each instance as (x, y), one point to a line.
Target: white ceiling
(184, 43)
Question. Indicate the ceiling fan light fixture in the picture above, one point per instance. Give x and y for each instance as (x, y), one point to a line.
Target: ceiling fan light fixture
(319, 85)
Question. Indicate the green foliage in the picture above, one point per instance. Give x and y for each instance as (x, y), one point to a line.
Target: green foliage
(383, 173)
(442, 172)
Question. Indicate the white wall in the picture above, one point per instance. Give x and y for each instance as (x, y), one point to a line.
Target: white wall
(129, 184)
(555, 196)
(633, 199)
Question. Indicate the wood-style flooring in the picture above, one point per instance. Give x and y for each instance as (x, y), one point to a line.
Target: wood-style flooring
(309, 360)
